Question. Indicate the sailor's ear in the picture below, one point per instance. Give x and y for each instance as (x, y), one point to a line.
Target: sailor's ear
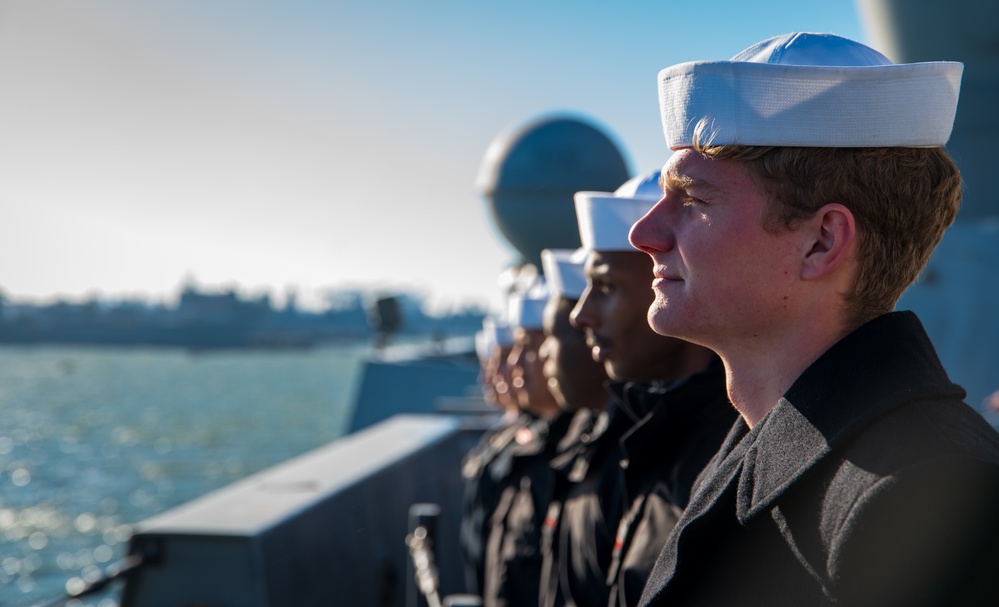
(830, 240)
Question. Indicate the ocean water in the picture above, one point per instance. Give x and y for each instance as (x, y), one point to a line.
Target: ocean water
(94, 440)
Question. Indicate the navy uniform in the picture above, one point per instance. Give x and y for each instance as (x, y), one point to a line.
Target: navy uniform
(512, 558)
(868, 481)
(881, 490)
(484, 471)
(624, 484)
(580, 525)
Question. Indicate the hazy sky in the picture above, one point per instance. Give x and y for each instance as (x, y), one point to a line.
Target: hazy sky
(312, 144)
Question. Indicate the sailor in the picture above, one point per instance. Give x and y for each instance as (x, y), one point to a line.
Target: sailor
(621, 486)
(492, 346)
(529, 384)
(807, 188)
(482, 484)
(512, 556)
(574, 378)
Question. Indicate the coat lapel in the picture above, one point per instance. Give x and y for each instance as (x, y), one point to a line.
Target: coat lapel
(874, 370)
(721, 474)
(786, 447)
(845, 390)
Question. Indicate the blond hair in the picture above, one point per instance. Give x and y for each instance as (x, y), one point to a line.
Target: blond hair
(902, 200)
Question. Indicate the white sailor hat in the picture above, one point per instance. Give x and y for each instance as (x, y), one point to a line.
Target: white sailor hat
(526, 309)
(810, 90)
(605, 218)
(495, 333)
(564, 271)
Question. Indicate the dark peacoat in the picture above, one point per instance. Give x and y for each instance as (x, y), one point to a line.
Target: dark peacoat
(579, 529)
(485, 471)
(681, 428)
(619, 495)
(871, 482)
(512, 558)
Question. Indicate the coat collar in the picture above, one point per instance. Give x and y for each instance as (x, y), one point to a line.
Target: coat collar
(579, 431)
(879, 367)
(598, 434)
(669, 415)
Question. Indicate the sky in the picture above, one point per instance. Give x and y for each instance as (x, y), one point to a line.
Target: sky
(299, 146)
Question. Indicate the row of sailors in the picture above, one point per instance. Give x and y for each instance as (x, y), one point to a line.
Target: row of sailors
(607, 424)
(807, 189)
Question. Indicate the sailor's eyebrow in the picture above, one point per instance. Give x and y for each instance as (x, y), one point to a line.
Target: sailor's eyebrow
(676, 181)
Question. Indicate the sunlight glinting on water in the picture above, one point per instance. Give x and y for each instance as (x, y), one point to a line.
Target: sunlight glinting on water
(93, 441)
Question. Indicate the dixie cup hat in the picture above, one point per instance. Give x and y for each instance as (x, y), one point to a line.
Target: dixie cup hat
(809, 90)
(605, 218)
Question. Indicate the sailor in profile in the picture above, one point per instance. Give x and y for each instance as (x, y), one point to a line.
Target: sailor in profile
(574, 378)
(512, 554)
(492, 347)
(623, 481)
(482, 484)
(807, 190)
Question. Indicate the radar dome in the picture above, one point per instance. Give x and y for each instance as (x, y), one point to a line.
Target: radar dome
(529, 176)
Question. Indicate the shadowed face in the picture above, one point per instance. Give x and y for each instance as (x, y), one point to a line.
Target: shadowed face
(498, 373)
(574, 377)
(613, 313)
(529, 383)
